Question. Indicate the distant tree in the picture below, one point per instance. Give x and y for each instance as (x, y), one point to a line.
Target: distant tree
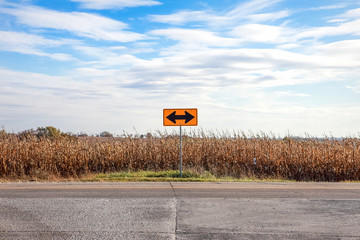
(49, 132)
(82, 134)
(70, 134)
(27, 134)
(106, 134)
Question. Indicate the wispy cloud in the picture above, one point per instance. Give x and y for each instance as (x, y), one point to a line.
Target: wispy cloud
(87, 25)
(31, 44)
(347, 28)
(266, 17)
(291, 94)
(251, 7)
(354, 88)
(350, 14)
(115, 4)
(346, 50)
(263, 33)
(195, 37)
(250, 11)
(183, 17)
(329, 7)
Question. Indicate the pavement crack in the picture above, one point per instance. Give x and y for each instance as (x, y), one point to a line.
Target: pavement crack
(173, 190)
(176, 210)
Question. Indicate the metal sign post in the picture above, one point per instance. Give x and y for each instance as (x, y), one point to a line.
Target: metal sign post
(180, 117)
(180, 152)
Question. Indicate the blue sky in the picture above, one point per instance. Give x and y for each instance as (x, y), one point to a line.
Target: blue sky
(279, 66)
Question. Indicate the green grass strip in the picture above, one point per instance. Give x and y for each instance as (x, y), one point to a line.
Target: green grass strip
(169, 176)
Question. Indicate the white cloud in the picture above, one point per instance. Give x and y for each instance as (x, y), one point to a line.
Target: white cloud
(337, 20)
(105, 57)
(356, 89)
(347, 28)
(330, 7)
(117, 4)
(23, 42)
(79, 23)
(289, 37)
(264, 17)
(288, 46)
(263, 33)
(245, 11)
(291, 94)
(183, 17)
(96, 52)
(31, 44)
(251, 7)
(194, 37)
(350, 14)
(346, 49)
(62, 57)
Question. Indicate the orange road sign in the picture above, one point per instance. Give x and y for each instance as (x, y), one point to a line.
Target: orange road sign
(180, 117)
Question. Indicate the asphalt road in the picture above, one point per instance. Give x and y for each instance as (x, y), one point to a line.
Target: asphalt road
(180, 211)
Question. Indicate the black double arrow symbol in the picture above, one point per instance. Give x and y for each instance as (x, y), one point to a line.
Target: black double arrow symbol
(173, 117)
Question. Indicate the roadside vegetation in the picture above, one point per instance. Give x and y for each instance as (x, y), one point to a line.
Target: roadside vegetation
(168, 176)
(49, 154)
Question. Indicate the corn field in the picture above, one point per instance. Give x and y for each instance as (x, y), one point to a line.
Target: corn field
(305, 159)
